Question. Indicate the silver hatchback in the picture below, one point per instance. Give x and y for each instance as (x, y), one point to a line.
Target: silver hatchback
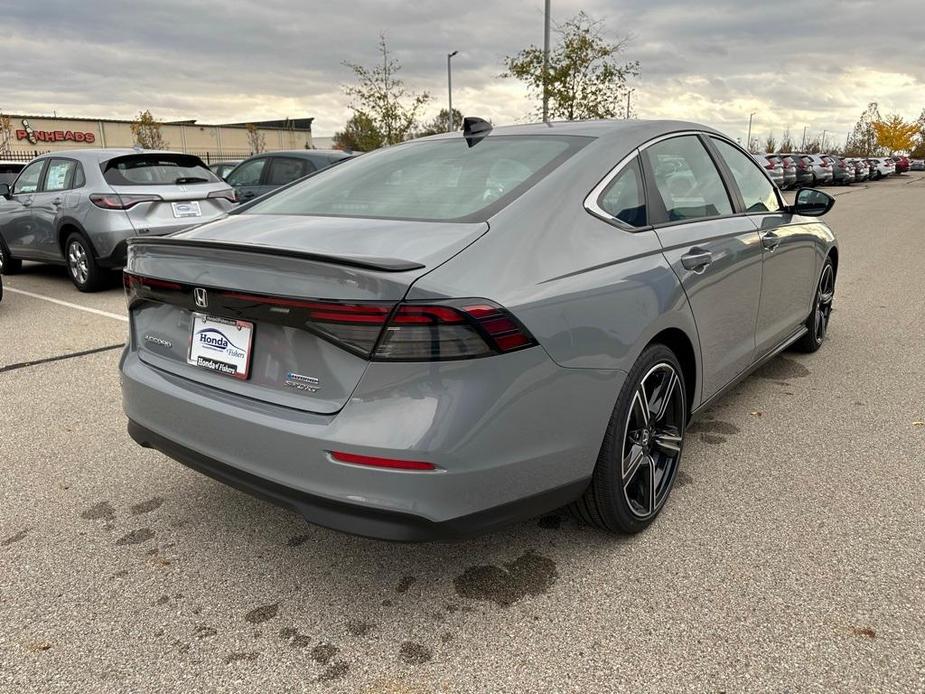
(79, 207)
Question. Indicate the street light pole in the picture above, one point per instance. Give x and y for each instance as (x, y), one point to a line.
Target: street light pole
(748, 140)
(449, 90)
(546, 65)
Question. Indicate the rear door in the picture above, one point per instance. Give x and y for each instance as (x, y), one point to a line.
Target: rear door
(17, 226)
(716, 255)
(60, 176)
(788, 250)
(247, 178)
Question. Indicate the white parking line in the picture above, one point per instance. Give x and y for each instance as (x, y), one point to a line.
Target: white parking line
(98, 312)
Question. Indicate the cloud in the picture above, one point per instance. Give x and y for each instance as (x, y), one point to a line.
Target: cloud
(791, 62)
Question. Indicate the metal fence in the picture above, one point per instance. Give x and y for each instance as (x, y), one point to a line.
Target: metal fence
(20, 155)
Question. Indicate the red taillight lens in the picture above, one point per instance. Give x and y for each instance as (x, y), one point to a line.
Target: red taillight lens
(228, 195)
(114, 201)
(374, 461)
(455, 330)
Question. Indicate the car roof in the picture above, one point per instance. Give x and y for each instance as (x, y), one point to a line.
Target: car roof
(605, 130)
(101, 155)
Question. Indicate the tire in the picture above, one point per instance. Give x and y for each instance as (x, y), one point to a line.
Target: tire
(635, 471)
(8, 264)
(82, 268)
(817, 323)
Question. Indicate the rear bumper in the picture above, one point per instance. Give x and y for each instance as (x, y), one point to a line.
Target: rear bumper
(514, 436)
(353, 518)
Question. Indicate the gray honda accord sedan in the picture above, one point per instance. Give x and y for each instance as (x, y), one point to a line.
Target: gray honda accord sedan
(457, 332)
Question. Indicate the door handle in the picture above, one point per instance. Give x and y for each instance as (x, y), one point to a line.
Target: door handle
(25, 202)
(248, 195)
(770, 240)
(56, 202)
(696, 259)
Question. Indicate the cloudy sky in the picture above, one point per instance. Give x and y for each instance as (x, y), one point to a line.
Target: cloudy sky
(796, 63)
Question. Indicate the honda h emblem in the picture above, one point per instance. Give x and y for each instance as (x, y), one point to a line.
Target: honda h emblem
(201, 297)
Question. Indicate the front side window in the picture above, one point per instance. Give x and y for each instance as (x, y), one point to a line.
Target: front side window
(28, 181)
(687, 179)
(428, 180)
(59, 175)
(157, 169)
(285, 170)
(248, 173)
(757, 191)
(623, 198)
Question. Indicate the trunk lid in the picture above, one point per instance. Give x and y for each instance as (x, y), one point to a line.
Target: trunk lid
(262, 269)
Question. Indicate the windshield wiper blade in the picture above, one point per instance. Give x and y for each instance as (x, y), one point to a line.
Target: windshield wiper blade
(190, 179)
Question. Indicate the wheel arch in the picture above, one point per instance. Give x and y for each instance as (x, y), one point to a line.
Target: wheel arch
(67, 227)
(681, 344)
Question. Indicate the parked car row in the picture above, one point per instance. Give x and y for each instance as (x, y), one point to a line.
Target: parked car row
(792, 170)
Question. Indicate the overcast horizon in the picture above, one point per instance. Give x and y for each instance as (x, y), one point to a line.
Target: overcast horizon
(794, 64)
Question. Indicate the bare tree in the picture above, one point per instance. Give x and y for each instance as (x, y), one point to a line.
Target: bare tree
(770, 144)
(256, 140)
(786, 144)
(6, 133)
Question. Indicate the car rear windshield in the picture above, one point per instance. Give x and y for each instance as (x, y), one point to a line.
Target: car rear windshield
(773, 158)
(156, 169)
(11, 168)
(438, 180)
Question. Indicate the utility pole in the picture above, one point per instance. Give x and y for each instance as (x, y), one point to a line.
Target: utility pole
(449, 90)
(748, 141)
(803, 146)
(822, 146)
(546, 65)
(629, 93)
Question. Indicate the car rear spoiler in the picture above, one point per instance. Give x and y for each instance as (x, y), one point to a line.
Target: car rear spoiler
(361, 261)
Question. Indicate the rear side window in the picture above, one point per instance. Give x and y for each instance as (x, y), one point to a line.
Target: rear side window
(285, 170)
(624, 199)
(428, 180)
(60, 174)
(757, 191)
(157, 169)
(247, 173)
(687, 179)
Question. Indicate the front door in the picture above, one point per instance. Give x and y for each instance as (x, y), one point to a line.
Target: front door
(716, 256)
(788, 251)
(17, 227)
(247, 178)
(47, 204)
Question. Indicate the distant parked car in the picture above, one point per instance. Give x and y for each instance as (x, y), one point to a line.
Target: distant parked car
(884, 167)
(842, 173)
(9, 170)
(223, 168)
(773, 165)
(861, 169)
(77, 208)
(902, 163)
(822, 169)
(265, 172)
(790, 170)
(804, 171)
(917, 164)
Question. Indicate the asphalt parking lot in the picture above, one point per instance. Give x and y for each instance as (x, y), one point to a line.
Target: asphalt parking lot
(791, 556)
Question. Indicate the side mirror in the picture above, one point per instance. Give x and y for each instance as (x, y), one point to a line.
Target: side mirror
(5, 190)
(812, 203)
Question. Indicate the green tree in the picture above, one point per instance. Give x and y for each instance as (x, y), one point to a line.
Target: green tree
(586, 76)
(147, 131)
(895, 134)
(382, 98)
(360, 134)
(439, 123)
(863, 140)
(918, 152)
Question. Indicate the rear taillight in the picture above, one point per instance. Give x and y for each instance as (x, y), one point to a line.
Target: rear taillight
(114, 201)
(227, 194)
(458, 329)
